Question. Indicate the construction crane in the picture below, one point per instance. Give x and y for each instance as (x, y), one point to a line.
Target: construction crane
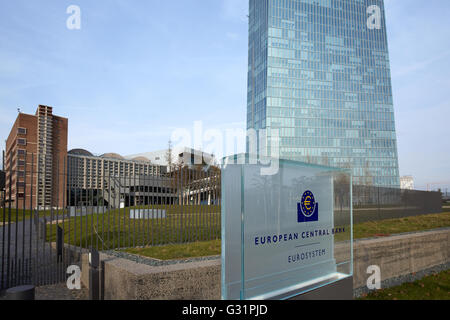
(430, 184)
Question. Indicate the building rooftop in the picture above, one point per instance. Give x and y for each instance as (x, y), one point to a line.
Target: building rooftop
(112, 156)
(109, 155)
(80, 152)
(160, 157)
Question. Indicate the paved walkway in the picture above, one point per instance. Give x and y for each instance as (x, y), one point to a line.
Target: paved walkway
(38, 265)
(60, 292)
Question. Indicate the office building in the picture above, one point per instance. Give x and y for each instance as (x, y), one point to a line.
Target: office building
(407, 182)
(179, 155)
(117, 181)
(113, 178)
(319, 79)
(35, 151)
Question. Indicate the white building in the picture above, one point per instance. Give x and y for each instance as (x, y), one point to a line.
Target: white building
(179, 155)
(407, 182)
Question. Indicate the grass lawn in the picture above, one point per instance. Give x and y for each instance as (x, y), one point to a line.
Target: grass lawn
(434, 287)
(115, 229)
(401, 225)
(18, 215)
(179, 251)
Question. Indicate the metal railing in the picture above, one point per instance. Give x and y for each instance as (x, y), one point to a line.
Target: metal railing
(39, 240)
(371, 203)
(40, 236)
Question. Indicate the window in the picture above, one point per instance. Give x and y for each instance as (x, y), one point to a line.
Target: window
(22, 131)
(21, 162)
(22, 142)
(21, 152)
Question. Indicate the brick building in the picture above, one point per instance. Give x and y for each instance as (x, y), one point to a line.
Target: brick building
(36, 150)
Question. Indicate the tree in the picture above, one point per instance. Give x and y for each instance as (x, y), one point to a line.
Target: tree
(308, 158)
(368, 179)
(342, 186)
(325, 160)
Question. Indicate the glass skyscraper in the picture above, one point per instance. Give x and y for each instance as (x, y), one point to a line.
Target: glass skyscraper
(319, 75)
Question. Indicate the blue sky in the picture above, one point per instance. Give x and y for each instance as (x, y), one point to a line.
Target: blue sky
(139, 69)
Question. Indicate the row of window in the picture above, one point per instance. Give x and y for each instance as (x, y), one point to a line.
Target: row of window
(326, 53)
(350, 96)
(330, 133)
(307, 69)
(327, 123)
(332, 109)
(338, 142)
(343, 152)
(378, 42)
(317, 80)
(308, 90)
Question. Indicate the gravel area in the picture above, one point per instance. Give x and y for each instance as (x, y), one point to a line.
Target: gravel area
(57, 292)
(60, 292)
(155, 262)
(403, 279)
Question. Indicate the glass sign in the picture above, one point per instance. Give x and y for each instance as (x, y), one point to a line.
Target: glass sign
(285, 232)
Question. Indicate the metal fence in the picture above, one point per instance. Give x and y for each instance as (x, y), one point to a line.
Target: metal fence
(53, 215)
(371, 203)
(446, 195)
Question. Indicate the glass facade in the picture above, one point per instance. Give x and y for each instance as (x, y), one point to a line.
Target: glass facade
(319, 78)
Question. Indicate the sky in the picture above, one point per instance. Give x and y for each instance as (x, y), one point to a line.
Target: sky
(140, 72)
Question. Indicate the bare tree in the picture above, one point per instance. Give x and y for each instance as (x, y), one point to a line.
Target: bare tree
(342, 185)
(368, 179)
(325, 160)
(308, 158)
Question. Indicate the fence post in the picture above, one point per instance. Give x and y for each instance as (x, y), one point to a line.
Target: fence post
(94, 275)
(59, 244)
(378, 201)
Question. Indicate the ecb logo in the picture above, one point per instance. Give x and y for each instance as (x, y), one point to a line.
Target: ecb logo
(308, 208)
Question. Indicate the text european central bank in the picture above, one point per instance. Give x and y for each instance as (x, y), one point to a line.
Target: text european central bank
(319, 79)
(287, 232)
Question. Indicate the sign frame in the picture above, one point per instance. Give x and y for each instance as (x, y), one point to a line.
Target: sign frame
(249, 272)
